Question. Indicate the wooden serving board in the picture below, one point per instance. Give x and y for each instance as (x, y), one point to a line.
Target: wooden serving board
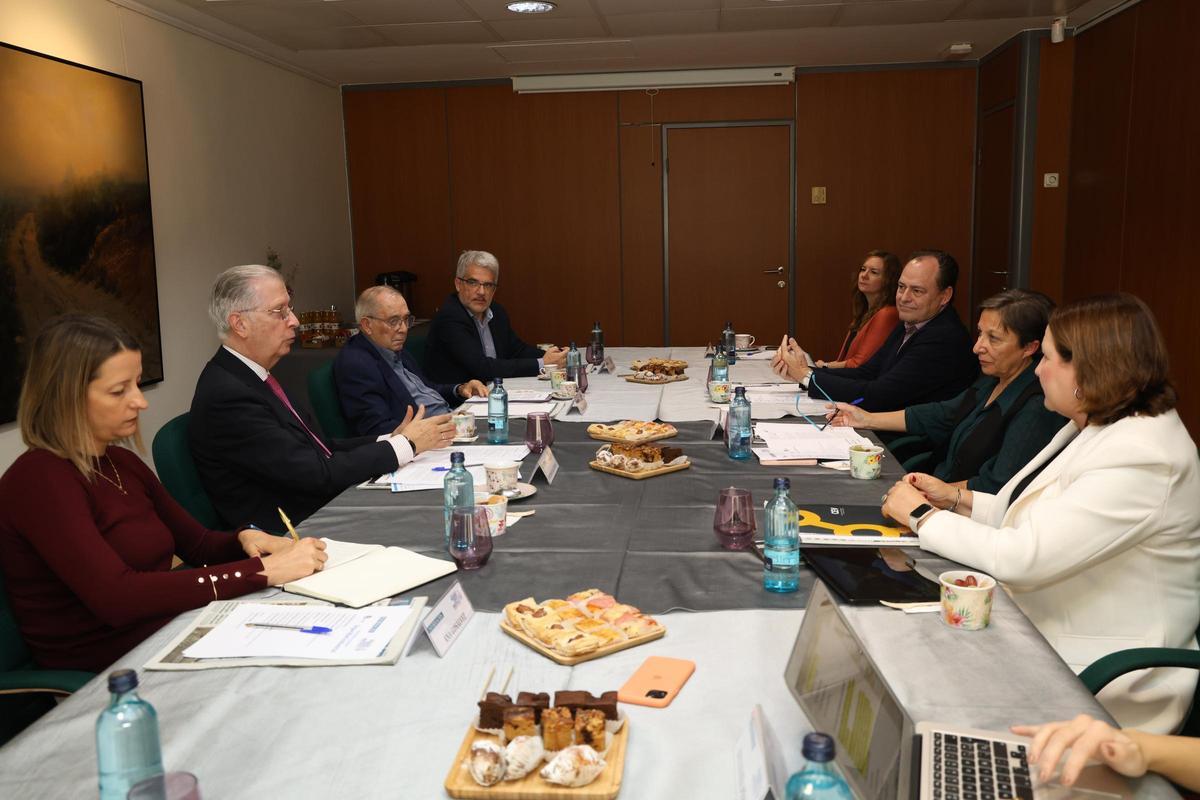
(570, 661)
(641, 474)
(650, 437)
(607, 786)
(669, 379)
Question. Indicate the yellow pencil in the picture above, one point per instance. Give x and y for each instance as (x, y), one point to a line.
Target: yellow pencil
(287, 522)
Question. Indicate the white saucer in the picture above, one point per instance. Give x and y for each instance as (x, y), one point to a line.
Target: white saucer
(558, 396)
(466, 439)
(526, 490)
(543, 376)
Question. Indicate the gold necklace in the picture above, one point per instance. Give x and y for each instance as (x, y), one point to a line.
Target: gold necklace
(118, 482)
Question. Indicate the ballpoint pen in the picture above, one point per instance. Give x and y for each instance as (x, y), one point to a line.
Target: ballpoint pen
(447, 469)
(288, 522)
(297, 628)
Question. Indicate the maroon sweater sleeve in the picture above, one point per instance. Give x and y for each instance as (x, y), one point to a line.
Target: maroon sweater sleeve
(871, 336)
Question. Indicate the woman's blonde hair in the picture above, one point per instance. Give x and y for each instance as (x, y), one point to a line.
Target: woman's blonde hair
(53, 410)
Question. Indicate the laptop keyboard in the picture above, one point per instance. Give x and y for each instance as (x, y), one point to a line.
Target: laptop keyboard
(966, 768)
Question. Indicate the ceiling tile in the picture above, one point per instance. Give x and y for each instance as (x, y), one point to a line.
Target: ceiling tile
(906, 12)
(390, 12)
(1015, 9)
(496, 10)
(779, 3)
(565, 51)
(263, 16)
(608, 7)
(755, 19)
(326, 39)
(520, 30)
(436, 33)
(663, 23)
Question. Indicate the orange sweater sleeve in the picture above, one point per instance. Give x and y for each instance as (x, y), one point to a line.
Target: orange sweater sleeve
(872, 335)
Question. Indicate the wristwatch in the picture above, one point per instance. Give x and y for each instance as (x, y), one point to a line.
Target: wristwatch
(917, 514)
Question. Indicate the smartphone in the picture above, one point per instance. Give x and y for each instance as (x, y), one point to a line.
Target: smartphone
(656, 681)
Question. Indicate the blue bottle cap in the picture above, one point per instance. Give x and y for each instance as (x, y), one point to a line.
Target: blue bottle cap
(498, 381)
(819, 747)
(457, 457)
(573, 344)
(740, 391)
(783, 483)
(121, 681)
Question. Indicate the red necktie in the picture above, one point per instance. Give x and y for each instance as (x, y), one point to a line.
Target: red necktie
(278, 390)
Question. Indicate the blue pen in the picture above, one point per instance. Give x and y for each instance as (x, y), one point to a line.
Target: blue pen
(447, 469)
(297, 628)
(856, 402)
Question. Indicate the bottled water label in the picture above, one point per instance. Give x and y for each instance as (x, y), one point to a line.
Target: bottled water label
(779, 559)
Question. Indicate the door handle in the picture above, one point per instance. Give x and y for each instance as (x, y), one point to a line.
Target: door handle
(776, 271)
(995, 272)
(781, 284)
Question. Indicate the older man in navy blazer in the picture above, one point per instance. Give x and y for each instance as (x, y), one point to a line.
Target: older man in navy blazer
(377, 382)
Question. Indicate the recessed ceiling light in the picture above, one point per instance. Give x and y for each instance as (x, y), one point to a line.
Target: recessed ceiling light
(531, 7)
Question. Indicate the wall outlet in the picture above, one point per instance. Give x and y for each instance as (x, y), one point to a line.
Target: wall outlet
(818, 195)
(1050, 180)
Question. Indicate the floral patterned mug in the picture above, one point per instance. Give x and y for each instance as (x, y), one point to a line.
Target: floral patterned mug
(966, 607)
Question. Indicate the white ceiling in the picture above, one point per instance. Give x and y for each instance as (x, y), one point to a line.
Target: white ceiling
(401, 41)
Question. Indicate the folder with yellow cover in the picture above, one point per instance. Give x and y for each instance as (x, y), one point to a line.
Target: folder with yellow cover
(851, 525)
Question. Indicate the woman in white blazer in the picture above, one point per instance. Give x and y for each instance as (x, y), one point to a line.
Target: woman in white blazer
(1097, 539)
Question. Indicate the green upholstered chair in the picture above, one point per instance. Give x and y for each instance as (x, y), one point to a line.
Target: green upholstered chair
(1114, 665)
(177, 471)
(323, 397)
(414, 345)
(26, 692)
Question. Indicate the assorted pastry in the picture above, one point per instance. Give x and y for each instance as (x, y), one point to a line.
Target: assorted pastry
(632, 430)
(639, 457)
(583, 623)
(570, 737)
(664, 367)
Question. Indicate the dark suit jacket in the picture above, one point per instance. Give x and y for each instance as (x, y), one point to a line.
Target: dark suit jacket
(253, 455)
(936, 364)
(373, 398)
(454, 354)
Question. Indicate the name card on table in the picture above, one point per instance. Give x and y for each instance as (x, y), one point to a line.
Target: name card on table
(608, 365)
(448, 618)
(548, 464)
(580, 403)
(758, 761)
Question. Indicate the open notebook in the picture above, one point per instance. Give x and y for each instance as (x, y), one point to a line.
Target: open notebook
(359, 574)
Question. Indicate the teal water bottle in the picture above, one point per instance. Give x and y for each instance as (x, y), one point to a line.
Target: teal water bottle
(720, 365)
(729, 339)
(127, 746)
(781, 541)
(819, 780)
(458, 489)
(738, 425)
(498, 413)
(574, 362)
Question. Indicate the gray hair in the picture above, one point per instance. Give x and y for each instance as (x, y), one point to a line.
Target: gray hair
(234, 291)
(368, 301)
(480, 258)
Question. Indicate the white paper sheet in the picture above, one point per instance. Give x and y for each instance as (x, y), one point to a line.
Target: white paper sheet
(357, 633)
(518, 396)
(796, 441)
(514, 409)
(428, 470)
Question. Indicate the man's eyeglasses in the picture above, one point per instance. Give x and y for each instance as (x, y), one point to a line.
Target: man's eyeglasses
(280, 313)
(472, 284)
(395, 322)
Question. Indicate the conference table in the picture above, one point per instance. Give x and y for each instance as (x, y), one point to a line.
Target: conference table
(393, 731)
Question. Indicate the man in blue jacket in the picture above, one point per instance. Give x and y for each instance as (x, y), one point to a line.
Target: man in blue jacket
(377, 382)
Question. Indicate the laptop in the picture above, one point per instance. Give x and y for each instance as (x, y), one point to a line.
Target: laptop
(884, 754)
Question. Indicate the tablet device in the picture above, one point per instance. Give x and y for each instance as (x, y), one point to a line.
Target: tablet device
(870, 574)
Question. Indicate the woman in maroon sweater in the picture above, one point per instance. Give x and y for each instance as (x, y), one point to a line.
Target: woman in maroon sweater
(86, 530)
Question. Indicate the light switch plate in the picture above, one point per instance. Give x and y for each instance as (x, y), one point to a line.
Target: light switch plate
(818, 195)
(1050, 180)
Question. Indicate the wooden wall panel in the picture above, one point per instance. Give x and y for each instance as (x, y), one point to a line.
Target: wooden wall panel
(999, 77)
(641, 234)
(399, 197)
(534, 179)
(895, 151)
(704, 105)
(1051, 154)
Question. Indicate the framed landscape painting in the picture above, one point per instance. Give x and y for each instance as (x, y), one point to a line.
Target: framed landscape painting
(75, 226)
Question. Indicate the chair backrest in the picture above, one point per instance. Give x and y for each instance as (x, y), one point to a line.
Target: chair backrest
(414, 345)
(177, 471)
(323, 397)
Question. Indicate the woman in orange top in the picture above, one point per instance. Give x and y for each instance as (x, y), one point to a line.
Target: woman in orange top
(874, 304)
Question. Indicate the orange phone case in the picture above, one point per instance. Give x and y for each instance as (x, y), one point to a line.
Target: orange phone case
(656, 681)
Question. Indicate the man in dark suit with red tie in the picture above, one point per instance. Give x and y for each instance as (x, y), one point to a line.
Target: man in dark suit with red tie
(254, 451)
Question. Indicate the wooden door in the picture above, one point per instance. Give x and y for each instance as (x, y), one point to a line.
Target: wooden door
(728, 231)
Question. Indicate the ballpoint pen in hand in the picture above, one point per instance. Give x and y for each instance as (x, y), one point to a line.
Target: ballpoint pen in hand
(288, 523)
(297, 628)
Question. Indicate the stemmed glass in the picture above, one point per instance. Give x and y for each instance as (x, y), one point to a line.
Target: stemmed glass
(595, 354)
(470, 537)
(734, 521)
(539, 432)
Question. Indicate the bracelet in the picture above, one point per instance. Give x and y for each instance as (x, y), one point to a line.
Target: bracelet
(957, 498)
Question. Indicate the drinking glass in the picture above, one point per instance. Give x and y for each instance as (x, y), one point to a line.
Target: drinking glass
(595, 354)
(734, 521)
(539, 432)
(470, 537)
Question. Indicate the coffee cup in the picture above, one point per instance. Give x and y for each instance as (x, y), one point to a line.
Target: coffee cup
(866, 461)
(464, 424)
(557, 375)
(719, 391)
(743, 341)
(497, 512)
(501, 476)
(567, 389)
(968, 608)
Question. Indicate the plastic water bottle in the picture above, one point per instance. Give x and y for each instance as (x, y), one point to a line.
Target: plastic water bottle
(127, 747)
(738, 425)
(781, 545)
(720, 365)
(597, 343)
(819, 780)
(574, 361)
(729, 339)
(498, 413)
(459, 489)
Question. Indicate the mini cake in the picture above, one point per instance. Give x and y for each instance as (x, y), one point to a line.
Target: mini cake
(557, 727)
(575, 700)
(539, 702)
(519, 721)
(491, 710)
(589, 728)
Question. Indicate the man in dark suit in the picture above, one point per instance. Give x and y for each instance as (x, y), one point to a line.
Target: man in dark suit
(926, 358)
(377, 382)
(253, 450)
(471, 336)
